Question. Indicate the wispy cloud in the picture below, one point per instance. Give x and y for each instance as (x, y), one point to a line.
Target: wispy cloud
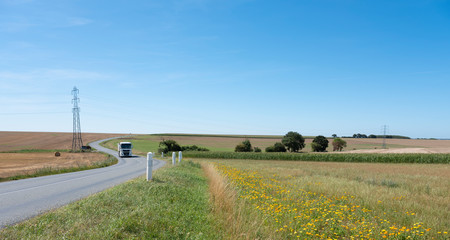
(15, 26)
(78, 21)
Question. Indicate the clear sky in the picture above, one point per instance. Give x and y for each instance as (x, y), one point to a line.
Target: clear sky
(227, 66)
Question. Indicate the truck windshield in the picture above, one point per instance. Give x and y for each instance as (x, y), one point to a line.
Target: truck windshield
(127, 145)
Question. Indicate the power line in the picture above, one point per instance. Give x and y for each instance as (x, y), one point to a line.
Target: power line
(77, 142)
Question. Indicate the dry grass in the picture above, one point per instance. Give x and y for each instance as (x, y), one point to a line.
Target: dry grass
(13, 164)
(238, 221)
(44, 140)
(403, 193)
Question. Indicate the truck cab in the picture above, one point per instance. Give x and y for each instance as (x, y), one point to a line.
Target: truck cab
(124, 149)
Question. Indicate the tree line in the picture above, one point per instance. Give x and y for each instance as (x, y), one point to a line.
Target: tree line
(294, 142)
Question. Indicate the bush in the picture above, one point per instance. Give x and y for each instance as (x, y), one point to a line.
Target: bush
(168, 146)
(245, 146)
(193, 148)
(257, 149)
(339, 144)
(293, 141)
(277, 147)
(319, 144)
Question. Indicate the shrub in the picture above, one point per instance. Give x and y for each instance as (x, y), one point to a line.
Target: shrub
(193, 148)
(168, 146)
(293, 141)
(257, 149)
(319, 144)
(245, 146)
(339, 144)
(277, 147)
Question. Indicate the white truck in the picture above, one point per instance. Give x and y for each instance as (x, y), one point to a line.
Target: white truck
(124, 149)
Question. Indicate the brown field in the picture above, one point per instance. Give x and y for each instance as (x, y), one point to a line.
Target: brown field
(10, 141)
(13, 164)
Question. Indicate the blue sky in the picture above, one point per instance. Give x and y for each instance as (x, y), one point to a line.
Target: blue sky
(227, 66)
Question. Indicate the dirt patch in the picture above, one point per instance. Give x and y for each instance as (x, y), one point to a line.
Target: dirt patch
(12, 164)
(10, 141)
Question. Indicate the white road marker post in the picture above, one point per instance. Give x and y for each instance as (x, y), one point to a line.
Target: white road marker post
(173, 158)
(149, 165)
(162, 155)
(180, 156)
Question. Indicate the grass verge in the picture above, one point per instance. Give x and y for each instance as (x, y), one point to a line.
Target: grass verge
(174, 205)
(312, 200)
(52, 171)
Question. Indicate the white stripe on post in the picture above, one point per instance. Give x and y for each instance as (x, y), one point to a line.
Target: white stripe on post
(149, 165)
(173, 158)
(180, 156)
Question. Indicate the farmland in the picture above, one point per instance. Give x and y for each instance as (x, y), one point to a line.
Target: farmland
(14, 164)
(267, 199)
(29, 154)
(13, 141)
(227, 143)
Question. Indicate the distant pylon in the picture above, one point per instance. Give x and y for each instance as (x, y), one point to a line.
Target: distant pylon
(77, 142)
(384, 137)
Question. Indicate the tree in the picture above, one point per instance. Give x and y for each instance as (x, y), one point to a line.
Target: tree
(372, 136)
(293, 141)
(339, 144)
(245, 146)
(169, 146)
(319, 144)
(277, 147)
(334, 135)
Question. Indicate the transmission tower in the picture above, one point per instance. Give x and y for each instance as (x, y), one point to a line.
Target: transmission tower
(384, 136)
(77, 142)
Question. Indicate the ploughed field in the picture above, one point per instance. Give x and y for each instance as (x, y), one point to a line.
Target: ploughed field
(11, 141)
(14, 164)
(28, 154)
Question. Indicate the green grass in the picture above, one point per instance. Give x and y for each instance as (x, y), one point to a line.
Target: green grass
(175, 205)
(140, 146)
(326, 157)
(52, 171)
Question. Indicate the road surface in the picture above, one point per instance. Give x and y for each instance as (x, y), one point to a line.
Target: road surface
(23, 199)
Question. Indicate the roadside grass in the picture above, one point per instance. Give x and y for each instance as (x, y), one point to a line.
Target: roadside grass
(344, 200)
(174, 205)
(44, 171)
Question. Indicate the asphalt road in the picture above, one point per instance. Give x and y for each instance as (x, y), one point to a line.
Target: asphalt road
(23, 199)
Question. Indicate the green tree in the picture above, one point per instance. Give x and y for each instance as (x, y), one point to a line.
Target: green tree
(319, 144)
(277, 147)
(168, 146)
(245, 146)
(293, 141)
(339, 144)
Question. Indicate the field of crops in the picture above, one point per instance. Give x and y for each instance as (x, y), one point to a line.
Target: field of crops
(326, 157)
(317, 201)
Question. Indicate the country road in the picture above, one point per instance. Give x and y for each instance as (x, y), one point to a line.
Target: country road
(23, 199)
